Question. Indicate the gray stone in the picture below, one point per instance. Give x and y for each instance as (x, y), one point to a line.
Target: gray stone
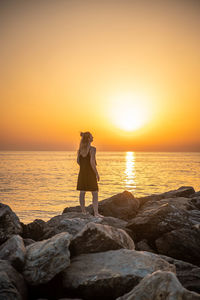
(182, 244)
(28, 242)
(98, 238)
(160, 285)
(47, 258)
(9, 223)
(74, 223)
(14, 251)
(11, 282)
(7, 290)
(183, 191)
(33, 230)
(144, 246)
(188, 274)
(154, 220)
(110, 274)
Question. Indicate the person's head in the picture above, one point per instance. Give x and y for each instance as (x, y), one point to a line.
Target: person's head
(86, 139)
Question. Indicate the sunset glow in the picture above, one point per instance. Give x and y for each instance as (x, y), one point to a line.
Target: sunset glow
(132, 79)
(130, 112)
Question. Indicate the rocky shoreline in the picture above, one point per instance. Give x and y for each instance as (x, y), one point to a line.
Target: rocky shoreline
(143, 249)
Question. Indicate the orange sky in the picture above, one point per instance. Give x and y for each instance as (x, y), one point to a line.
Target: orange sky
(71, 66)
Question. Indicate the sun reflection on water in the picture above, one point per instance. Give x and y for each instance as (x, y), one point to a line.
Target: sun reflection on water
(130, 170)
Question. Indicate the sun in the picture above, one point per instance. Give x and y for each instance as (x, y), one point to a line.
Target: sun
(129, 111)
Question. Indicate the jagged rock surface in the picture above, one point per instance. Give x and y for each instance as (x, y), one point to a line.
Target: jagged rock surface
(160, 285)
(98, 238)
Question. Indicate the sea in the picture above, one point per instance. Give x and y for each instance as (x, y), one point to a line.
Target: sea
(40, 184)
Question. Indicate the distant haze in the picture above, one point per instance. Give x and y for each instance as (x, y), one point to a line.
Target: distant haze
(100, 66)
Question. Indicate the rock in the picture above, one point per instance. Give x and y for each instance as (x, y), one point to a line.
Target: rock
(47, 258)
(11, 282)
(14, 251)
(98, 238)
(74, 223)
(196, 201)
(33, 230)
(7, 290)
(143, 246)
(194, 216)
(110, 274)
(183, 191)
(182, 244)
(187, 274)
(155, 220)
(123, 206)
(115, 222)
(9, 223)
(160, 285)
(28, 242)
(62, 223)
(196, 194)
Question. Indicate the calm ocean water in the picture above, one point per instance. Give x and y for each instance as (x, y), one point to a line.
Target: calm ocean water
(40, 184)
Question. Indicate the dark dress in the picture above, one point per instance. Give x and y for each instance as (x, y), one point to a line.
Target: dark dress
(87, 180)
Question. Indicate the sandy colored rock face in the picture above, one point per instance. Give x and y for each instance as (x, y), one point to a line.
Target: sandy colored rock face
(98, 238)
(107, 275)
(160, 286)
(47, 258)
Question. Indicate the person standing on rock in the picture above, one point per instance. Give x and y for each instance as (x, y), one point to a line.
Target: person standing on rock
(88, 174)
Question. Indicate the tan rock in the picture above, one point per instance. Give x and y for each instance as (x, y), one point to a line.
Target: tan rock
(107, 275)
(47, 258)
(98, 238)
(160, 286)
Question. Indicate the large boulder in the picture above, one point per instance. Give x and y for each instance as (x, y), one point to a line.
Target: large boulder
(98, 238)
(182, 244)
(9, 223)
(110, 274)
(74, 223)
(115, 222)
(155, 220)
(160, 285)
(33, 230)
(14, 251)
(12, 284)
(187, 274)
(183, 191)
(46, 258)
(123, 206)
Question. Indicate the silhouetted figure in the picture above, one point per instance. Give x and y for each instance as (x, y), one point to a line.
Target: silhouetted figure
(88, 174)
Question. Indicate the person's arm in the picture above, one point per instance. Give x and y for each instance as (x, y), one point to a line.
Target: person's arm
(78, 161)
(93, 162)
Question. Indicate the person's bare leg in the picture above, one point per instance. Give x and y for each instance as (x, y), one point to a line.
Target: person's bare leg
(82, 201)
(95, 203)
